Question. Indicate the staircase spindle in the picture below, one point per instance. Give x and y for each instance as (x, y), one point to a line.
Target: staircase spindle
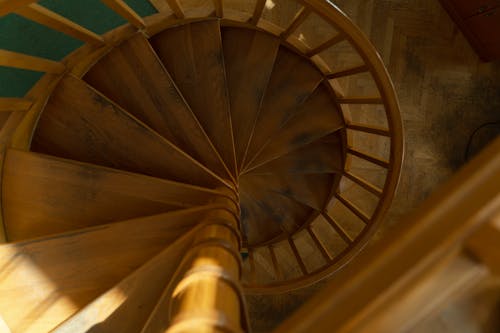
(369, 158)
(299, 18)
(364, 184)
(23, 61)
(372, 129)
(297, 256)
(124, 10)
(259, 8)
(338, 228)
(176, 8)
(348, 72)
(353, 208)
(44, 16)
(14, 104)
(319, 245)
(326, 45)
(277, 269)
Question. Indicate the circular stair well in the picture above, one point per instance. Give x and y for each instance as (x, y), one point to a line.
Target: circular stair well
(286, 120)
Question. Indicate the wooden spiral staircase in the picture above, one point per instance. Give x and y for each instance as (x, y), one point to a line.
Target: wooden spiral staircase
(166, 168)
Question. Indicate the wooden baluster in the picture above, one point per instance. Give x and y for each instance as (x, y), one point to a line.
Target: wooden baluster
(23, 61)
(277, 270)
(360, 100)
(296, 22)
(251, 260)
(160, 5)
(10, 6)
(44, 16)
(257, 13)
(369, 158)
(348, 72)
(297, 256)
(369, 129)
(340, 231)
(219, 8)
(319, 245)
(326, 45)
(353, 208)
(14, 104)
(176, 8)
(120, 7)
(364, 184)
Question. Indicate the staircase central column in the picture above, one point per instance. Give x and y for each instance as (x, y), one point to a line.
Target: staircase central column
(208, 296)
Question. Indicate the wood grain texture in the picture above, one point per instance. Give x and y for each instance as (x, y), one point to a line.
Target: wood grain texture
(291, 83)
(312, 190)
(196, 64)
(81, 124)
(321, 156)
(254, 227)
(14, 104)
(132, 76)
(274, 208)
(42, 15)
(24, 61)
(134, 297)
(317, 117)
(61, 274)
(249, 57)
(44, 195)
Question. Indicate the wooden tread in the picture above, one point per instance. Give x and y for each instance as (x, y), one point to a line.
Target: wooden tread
(317, 117)
(292, 81)
(133, 298)
(132, 76)
(319, 157)
(60, 274)
(44, 195)
(249, 57)
(81, 124)
(196, 64)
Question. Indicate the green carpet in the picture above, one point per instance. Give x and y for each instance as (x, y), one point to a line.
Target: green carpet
(21, 35)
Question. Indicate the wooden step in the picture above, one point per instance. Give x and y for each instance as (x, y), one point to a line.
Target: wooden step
(42, 195)
(320, 157)
(292, 81)
(193, 55)
(81, 124)
(132, 76)
(275, 209)
(317, 117)
(312, 190)
(126, 306)
(256, 229)
(249, 56)
(46, 280)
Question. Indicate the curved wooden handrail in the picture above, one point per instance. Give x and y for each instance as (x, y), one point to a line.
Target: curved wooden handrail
(78, 62)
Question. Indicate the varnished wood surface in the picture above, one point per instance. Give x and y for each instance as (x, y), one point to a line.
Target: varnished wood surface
(321, 156)
(133, 77)
(311, 189)
(317, 117)
(67, 271)
(196, 64)
(291, 83)
(66, 195)
(81, 124)
(133, 298)
(249, 57)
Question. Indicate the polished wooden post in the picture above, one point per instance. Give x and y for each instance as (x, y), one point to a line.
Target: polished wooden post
(208, 296)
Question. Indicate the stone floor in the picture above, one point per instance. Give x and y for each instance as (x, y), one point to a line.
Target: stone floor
(445, 93)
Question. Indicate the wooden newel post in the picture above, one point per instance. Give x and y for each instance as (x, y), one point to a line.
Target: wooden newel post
(208, 296)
